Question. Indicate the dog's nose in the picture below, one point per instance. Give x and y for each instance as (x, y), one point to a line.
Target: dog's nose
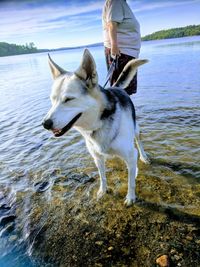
(47, 124)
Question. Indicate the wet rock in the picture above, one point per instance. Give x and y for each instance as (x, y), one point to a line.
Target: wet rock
(80, 231)
(81, 178)
(189, 237)
(7, 219)
(7, 229)
(99, 243)
(4, 207)
(163, 261)
(13, 238)
(177, 257)
(197, 242)
(74, 178)
(173, 251)
(42, 186)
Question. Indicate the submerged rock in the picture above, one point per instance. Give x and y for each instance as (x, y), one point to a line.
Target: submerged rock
(109, 234)
(4, 207)
(81, 178)
(42, 186)
(72, 228)
(99, 243)
(7, 229)
(7, 219)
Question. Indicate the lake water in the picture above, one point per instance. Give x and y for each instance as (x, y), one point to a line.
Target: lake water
(167, 107)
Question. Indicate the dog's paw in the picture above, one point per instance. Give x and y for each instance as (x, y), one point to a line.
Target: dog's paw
(145, 160)
(100, 193)
(129, 202)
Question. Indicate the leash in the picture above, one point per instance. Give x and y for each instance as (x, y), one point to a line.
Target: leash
(113, 66)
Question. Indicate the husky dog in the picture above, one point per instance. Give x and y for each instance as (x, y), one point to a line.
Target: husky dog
(105, 117)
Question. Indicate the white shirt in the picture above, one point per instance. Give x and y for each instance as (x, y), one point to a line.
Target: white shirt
(128, 28)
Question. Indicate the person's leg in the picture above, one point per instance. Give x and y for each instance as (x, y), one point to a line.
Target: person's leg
(122, 61)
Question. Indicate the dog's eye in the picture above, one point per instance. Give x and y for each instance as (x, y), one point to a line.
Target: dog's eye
(68, 99)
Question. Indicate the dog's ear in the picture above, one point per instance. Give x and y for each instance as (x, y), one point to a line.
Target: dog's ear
(129, 72)
(87, 69)
(55, 69)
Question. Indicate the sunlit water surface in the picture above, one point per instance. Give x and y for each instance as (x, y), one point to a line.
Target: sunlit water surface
(167, 106)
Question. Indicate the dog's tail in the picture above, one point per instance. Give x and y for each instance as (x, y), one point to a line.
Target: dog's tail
(129, 72)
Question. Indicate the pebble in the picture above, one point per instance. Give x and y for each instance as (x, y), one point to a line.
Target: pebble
(189, 237)
(177, 257)
(99, 243)
(173, 251)
(13, 238)
(110, 248)
(163, 261)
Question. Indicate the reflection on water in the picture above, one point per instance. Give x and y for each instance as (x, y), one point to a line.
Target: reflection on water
(33, 162)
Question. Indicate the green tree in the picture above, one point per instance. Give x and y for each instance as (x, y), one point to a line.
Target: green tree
(13, 49)
(190, 30)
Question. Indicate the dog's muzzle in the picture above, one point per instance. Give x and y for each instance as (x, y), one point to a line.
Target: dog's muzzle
(47, 124)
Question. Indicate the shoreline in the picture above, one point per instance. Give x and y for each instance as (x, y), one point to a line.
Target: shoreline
(82, 231)
(96, 45)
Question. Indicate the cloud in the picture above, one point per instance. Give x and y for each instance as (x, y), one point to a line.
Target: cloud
(34, 18)
(141, 6)
(52, 22)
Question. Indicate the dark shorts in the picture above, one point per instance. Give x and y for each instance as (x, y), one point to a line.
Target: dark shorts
(122, 61)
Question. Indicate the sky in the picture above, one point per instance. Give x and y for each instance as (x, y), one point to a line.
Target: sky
(63, 23)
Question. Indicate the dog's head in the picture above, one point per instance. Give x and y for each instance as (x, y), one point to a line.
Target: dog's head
(73, 95)
(76, 97)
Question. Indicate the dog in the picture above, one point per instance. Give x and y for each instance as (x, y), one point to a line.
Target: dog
(104, 117)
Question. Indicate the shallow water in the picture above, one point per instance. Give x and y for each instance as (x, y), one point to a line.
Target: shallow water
(32, 160)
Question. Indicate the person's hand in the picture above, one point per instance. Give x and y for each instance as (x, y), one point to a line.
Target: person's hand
(115, 51)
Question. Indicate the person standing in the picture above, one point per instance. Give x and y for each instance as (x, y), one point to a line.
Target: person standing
(122, 39)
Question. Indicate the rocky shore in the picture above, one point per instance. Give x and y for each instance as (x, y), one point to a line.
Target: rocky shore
(59, 222)
(73, 229)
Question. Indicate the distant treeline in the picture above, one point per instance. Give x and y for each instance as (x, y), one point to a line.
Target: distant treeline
(174, 33)
(14, 49)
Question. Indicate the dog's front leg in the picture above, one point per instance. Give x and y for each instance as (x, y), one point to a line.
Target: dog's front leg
(100, 163)
(130, 156)
(132, 174)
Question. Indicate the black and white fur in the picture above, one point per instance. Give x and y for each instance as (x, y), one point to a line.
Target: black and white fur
(105, 117)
